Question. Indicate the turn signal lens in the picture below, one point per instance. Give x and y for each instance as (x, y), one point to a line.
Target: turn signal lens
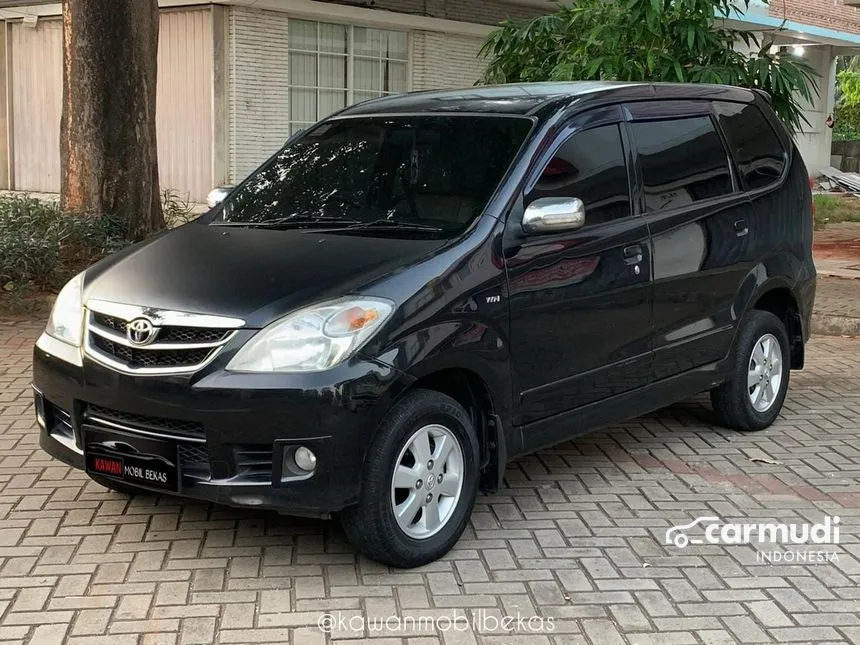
(352, 320)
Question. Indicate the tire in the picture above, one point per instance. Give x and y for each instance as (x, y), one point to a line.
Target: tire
(415, 539)
(733, 401)
(116, 486)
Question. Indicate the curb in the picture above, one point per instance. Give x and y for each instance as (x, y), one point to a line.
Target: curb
(833, 325)
(834, 273)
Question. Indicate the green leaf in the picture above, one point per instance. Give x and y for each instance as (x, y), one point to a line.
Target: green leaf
(595, 65)
(679, 40)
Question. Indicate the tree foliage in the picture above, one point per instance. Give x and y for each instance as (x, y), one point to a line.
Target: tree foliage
(649, 40)
(847, 113)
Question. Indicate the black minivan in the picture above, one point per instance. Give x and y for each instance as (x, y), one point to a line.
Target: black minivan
(422, 287)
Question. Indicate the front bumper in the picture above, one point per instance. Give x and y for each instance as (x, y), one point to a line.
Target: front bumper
(233, 430)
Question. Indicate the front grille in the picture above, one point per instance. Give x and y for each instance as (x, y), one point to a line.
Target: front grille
(137, 358)
(167, 333)
(110, 322)
(170, 427)
(176, 344)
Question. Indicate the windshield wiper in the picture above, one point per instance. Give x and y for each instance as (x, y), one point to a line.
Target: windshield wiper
(393, 224)
(295, 222)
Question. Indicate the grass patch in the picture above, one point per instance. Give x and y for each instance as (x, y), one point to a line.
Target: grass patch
(834, 209)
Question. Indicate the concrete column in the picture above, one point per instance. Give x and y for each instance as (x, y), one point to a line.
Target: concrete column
(814, 140)
(220, 96)
(5, 122)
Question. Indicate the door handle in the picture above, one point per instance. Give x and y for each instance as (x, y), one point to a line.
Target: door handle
(741, 227)
(633, 254)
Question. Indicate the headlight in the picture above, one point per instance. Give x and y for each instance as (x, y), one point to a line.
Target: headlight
(313, 339)
(67, 317)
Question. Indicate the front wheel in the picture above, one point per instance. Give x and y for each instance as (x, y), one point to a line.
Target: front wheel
(753, 398)
(420, 482)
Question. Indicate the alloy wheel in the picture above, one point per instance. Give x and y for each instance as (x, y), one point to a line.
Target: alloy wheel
(764, 375)
(427, 481)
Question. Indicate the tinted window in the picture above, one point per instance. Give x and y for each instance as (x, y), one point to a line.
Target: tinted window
(589, 165)
(757, 149)
(433, 170)
(683, 161)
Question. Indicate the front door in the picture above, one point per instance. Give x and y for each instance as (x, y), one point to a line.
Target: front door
(580, 301)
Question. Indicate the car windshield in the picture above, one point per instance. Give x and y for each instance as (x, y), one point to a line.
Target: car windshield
(416, 173)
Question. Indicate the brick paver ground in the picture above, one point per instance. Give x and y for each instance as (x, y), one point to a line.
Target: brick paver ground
(838, 296)
(577, 536)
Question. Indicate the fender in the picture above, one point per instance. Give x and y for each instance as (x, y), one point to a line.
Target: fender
(479, 348)
(776, 271)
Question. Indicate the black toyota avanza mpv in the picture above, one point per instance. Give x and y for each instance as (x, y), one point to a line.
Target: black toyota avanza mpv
(422, 287)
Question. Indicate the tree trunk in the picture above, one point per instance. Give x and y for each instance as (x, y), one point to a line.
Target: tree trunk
(107, 144)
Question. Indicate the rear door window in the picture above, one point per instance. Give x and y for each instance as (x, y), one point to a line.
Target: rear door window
(756, 147)
(683, 161)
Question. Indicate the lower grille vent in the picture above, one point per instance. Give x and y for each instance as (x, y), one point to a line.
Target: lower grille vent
(253, 463)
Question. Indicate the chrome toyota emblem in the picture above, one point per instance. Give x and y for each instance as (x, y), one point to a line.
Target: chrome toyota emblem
(140, 332)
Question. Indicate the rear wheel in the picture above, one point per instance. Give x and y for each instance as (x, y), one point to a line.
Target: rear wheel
(419, 485)
(753, 398)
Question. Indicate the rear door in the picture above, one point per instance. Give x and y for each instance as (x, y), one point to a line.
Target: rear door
(697, 216)
(580, 300)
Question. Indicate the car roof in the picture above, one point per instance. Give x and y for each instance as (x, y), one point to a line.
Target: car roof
(531, 98)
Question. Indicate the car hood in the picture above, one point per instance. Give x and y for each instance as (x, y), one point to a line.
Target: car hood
(253, 274)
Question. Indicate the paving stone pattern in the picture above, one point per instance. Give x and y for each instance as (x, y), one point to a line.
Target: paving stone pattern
(577, 536)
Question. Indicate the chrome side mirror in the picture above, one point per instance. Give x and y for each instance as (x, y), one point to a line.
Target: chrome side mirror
(554, 214)
(217, 195)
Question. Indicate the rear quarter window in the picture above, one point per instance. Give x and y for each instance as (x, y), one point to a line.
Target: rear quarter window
(757, 149)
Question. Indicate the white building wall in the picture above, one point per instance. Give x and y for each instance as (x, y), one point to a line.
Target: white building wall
(183, 113)
(445, 60)
(814, 140)
(259, 91)
(259, 96)
(184, 102)
(36, 101)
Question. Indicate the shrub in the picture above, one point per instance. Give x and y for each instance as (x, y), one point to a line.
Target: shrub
(41, 247)
(177, 210)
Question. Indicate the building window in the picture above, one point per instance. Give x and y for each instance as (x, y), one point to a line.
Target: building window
(332, 66)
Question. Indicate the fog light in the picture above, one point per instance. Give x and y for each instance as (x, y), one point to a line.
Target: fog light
(305, 458)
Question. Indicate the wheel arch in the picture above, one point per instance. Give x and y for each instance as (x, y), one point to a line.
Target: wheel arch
(779, 299)
(473, 392)
(770, 287)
